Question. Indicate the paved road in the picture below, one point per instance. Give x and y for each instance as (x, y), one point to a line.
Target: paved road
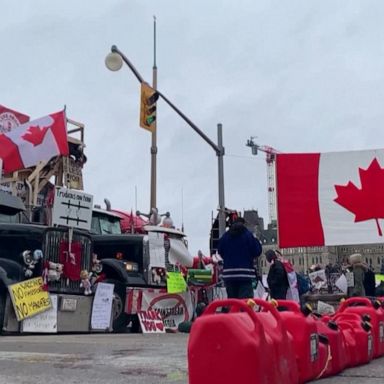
(124, 358)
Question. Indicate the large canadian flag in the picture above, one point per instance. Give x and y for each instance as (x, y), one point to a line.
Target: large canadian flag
(38, 140)
(330, 198)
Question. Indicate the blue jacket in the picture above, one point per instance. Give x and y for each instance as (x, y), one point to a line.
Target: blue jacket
(238, 248)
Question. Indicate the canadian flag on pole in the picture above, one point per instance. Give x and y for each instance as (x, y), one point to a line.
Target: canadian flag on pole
(330, 198)
(38, 140)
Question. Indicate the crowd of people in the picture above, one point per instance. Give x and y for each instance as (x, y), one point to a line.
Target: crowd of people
(239, 250)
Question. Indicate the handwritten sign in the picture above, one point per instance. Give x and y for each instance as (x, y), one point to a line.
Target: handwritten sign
(102, 306)
(175, 282)
(72, 208)
(151, 322)
(29, 298)
(45, 322)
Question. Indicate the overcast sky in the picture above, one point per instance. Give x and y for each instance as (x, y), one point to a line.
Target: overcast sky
(302, 76)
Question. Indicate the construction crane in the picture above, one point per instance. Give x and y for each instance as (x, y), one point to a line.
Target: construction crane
(270, 159)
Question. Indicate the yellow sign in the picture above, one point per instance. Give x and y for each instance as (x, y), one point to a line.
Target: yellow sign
(29, 298)
(175, 282)
(379, 279)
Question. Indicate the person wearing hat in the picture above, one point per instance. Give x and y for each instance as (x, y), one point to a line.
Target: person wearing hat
(239, 248)
(358, 268)
(277, 278)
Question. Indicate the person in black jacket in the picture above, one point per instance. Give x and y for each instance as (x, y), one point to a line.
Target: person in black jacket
(239, 249)
(277, 278)
(370, 283)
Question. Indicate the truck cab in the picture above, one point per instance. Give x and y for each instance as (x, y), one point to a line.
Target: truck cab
(139, 261)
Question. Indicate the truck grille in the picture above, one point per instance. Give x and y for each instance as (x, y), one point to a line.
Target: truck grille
(52, 241)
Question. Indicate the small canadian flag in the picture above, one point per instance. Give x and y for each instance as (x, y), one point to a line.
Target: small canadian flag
(38, 140)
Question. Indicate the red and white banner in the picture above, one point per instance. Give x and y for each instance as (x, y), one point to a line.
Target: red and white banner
(10, 119)
(330, 198)
(38, 140)
(174, 308)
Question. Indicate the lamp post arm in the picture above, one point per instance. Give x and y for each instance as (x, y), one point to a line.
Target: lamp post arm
(126, 61)
(219, 150)
(193, 126)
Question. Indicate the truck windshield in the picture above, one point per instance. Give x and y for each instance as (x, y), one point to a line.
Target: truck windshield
(9, 218)
(103, 224)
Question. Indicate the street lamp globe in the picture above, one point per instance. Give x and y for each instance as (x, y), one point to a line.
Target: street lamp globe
(113, 61)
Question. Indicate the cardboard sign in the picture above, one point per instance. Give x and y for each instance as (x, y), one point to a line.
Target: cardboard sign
(151, 322)
(102, 306)
(175, 282)
(72, 208)
(45, 322)
(29, 298)
(325, 308)
(73, 173)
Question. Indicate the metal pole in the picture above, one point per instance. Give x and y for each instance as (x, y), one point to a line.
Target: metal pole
(220, 163)
(153, 203)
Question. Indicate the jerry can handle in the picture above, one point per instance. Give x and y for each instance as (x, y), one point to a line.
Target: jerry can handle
(355, 300)
(290, 305)
(346, 316)
(236, 306)
(270, 308)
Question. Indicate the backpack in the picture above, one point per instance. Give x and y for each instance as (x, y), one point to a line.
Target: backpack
(302, 284)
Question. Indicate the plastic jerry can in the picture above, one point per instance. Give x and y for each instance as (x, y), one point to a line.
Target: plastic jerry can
(305, 340)
(285, 361)
(230, 347)
(331, 330)
(353, 326)
(365, 308)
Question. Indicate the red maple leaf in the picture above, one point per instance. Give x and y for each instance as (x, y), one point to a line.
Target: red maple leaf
(35, 134)
(367, 202)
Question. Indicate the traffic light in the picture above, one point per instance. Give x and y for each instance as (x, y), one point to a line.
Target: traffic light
(148, 107)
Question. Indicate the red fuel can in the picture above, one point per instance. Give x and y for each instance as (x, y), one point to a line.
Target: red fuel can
(285, 361)
(358, 337)
(364, 307)
(311, 357)
(233, 347)
(336, 344)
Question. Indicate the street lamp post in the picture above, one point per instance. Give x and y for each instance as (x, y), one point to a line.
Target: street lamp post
(114, 62)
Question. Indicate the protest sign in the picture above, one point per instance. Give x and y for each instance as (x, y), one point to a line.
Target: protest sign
(151, 321)
(173, 307)
(102, 306)
(318, 279)
(175, 282)
(45, 322)
(29, 298)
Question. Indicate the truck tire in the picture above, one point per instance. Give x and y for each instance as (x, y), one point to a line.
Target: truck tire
(119, 317)
(2, 310)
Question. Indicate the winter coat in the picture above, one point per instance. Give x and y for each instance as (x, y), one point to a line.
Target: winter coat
(358, 277)
(277, 280)
(238, 249)
(370, 283)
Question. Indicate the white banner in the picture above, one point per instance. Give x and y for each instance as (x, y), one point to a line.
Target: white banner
(173, 307)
